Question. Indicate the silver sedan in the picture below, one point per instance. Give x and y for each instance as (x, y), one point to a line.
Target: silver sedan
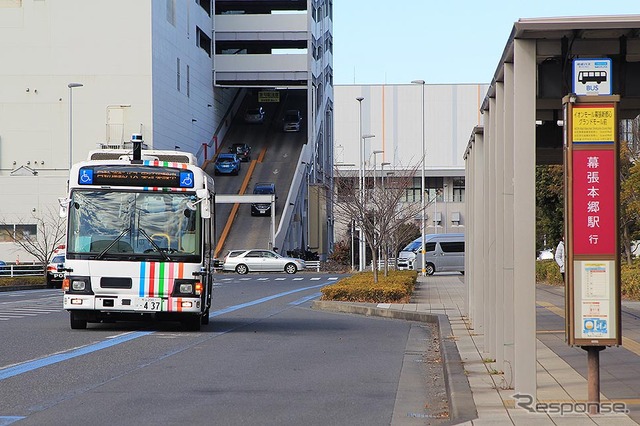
(259, 260)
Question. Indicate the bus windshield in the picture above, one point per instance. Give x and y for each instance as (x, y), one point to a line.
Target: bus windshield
(108, 225)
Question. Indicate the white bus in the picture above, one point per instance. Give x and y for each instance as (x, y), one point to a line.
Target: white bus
(140, 238)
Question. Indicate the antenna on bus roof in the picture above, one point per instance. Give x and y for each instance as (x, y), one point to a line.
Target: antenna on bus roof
(136, 141)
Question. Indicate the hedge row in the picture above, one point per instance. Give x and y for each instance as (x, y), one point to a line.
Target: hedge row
(547, 271)
(394, 288)
(23, 280)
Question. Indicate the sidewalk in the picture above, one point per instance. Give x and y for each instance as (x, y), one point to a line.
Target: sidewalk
(489, 402)
(557, 380)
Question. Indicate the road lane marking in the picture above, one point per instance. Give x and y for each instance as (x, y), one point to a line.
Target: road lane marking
(305, 299)
(258, 301)
(28, 366)
(25, 367)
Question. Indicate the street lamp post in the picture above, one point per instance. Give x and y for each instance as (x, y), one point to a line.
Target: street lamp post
(375, 169)
(71, 86)
(422, 197)
(363, 202)
(360, 173)
(384, 163)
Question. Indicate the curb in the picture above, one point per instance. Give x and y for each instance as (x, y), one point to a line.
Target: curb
(461, 405)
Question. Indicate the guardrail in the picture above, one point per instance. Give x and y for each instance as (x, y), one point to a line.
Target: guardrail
(21, 270)
(312, 264)
(391, 263)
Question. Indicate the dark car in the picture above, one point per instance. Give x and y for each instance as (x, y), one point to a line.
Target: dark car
(54, 278)
(242, 150)
(4, 269)
(292, 121)
(254, 115)
(263, 209)
(227, 164)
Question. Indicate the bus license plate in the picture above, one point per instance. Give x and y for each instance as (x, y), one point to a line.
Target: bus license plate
(149, 304)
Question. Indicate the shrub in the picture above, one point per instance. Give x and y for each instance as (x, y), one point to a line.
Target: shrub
(630, 280)
(548, 272)
(28, 280)
(394, 288)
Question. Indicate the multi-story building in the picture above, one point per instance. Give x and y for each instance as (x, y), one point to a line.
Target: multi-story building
(390, 124)
(78, 75)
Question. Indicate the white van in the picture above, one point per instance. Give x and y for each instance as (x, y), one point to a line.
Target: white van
(444, 253)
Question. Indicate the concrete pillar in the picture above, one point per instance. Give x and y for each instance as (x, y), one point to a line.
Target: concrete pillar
(508, 314)
(499, 225)
(478, 236)
(469, 227)
(524, 157)
(490, 224)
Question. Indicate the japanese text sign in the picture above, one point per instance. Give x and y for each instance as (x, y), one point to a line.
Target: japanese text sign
(594, 123)
(594, 201)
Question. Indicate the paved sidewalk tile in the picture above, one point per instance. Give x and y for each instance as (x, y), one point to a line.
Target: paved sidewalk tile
(557, 381)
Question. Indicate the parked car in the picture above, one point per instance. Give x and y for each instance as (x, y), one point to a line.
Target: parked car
(242, 150)
(54, 278)
(443, 253)
(4, 269)
(259, 260)
(227, 164)
(254, 115)
(292, 121)
(263, 209)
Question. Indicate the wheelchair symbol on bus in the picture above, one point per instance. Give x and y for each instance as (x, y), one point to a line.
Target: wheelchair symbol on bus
(186, 180)
(86, 177)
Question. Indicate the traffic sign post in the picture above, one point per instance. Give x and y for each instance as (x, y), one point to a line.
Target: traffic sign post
(592, 295)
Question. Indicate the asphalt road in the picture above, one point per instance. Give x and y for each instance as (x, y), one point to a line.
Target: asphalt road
(265, 358)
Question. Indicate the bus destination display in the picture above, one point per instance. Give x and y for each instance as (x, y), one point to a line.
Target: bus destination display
(163, 177)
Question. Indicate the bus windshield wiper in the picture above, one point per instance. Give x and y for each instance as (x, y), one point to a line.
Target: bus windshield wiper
(155, 246)
(113, 243)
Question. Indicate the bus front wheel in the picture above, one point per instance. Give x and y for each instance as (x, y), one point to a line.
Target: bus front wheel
(77, 323)
(192, 322)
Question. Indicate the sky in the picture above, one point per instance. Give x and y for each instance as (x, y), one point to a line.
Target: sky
(441, 42)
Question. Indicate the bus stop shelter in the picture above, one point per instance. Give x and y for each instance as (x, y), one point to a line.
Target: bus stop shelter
(522, 116)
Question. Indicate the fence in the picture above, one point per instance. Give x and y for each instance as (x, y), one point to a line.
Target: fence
(22, 270)
(312, 264)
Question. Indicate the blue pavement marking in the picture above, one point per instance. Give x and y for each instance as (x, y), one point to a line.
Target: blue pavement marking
(7, 420)
(305, 299)
(25, 367)
(258, 301)
(5, 373)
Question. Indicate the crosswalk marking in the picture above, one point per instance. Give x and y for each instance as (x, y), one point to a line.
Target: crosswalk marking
(41, 306)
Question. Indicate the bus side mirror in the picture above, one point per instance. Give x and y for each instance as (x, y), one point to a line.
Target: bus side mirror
(64, 206)
(203, 198)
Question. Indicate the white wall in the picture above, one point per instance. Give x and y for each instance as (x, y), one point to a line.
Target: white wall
(53, 44)
(393, 113)
(124, 53)
(174, 110)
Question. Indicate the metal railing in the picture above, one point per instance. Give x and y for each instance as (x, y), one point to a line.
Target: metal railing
(312, 264)
(21, 270)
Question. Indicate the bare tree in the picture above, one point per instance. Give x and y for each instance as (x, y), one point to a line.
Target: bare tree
(50, 233)
(379, 211)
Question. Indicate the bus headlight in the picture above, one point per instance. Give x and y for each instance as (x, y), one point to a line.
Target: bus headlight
(78, 285)
(183, 287)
